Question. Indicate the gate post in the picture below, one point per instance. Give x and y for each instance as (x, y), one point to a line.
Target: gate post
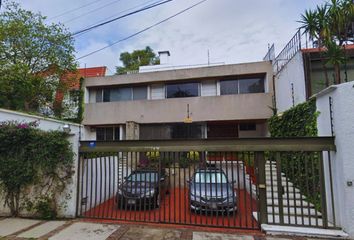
(262, 191)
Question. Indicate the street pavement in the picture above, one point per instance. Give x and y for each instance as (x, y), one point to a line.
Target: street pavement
(20, 229)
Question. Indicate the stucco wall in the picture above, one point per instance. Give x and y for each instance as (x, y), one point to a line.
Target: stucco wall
(342, 160)
(292, 73)
(50, 124)
(227, 107)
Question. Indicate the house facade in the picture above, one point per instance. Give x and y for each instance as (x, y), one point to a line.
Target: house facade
(301, 70)
(162, 102)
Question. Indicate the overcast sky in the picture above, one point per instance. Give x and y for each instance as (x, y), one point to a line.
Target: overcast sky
(233, 31)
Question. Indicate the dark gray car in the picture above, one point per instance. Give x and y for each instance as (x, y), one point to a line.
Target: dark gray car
(210, 190)
(141, 190)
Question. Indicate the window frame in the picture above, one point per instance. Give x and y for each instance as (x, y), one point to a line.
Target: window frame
(181, 83)
(114, 133)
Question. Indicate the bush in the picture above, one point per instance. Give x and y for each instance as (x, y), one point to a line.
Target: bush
(33, 160)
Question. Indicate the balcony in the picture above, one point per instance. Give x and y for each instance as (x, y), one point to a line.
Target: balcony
(227, 107)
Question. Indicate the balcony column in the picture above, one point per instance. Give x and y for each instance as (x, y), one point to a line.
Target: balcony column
(132, 133)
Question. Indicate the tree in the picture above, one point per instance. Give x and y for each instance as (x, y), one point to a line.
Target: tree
(33, 56)
(331, 25)
(132, 61)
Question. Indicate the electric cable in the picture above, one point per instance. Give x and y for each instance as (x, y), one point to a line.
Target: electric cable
(143, 30)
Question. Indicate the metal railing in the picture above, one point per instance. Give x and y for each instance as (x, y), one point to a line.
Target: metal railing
(299, 41)
(238, 183)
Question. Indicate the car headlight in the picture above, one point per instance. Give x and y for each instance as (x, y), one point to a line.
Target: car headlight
(149, 193)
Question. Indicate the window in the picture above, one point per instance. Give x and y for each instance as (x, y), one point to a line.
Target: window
(170, 131)
(186, 131)
(243, 85)
(120, 94)
(99, 95)
(228, 87)
(139, 93)
(251, 85)
(106, 95)
(182, 90)
(107, 133)
(247, 127)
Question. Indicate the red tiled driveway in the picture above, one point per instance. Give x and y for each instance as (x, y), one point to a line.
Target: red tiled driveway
(174, 208)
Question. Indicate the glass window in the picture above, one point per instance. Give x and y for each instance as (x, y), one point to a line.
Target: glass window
(210, 177)
(116, 134)
(228, 87)
(182, 90)
(139, 93)
(251, 85)
(248, 127)
(106, 95)
(143, 177)
(100, 133)
(120, 94)
(186, 131)
(109, 134)
(99, 95)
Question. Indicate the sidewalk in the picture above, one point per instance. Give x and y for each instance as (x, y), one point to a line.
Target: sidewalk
(18, 229)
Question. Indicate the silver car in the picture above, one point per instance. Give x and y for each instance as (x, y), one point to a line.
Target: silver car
(210, 190)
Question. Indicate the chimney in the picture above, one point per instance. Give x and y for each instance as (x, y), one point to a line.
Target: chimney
(164, 57)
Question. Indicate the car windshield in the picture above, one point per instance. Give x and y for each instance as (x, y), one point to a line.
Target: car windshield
(143, 177)
(210, 177)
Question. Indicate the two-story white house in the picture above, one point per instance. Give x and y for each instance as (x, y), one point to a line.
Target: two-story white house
(166, 102)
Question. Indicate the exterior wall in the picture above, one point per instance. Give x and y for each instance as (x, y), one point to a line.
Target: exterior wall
(292, 74)
(228, 107)
(342, 160)
(184, 74)
(206, 107)
(51, 124)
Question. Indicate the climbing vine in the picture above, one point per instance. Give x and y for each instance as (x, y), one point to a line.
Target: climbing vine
(36, 167)
(299, 121)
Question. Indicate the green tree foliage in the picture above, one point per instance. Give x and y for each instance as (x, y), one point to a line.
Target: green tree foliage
(331, 25)
(132, 61)
(32, 159)
(33, 56)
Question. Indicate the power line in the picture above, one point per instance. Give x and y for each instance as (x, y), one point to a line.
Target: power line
(75, 9)
(128, 9)
(141, 31)
(125, 15)
(91, 11)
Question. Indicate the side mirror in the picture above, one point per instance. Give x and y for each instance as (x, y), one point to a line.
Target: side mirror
(162, 179)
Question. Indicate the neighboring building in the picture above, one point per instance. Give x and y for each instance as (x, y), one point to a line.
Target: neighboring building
(168, 102)
(300, 71)
(68, 101)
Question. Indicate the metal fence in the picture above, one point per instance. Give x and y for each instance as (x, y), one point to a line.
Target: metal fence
(238, 183)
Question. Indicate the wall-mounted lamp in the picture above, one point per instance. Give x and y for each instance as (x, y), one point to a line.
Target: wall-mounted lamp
(66, 128)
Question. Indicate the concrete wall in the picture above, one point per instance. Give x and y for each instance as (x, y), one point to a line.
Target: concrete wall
(50, 124)
(206, 108)
(227, 107)
(291, 75)
(342, 161)
(183, 74)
